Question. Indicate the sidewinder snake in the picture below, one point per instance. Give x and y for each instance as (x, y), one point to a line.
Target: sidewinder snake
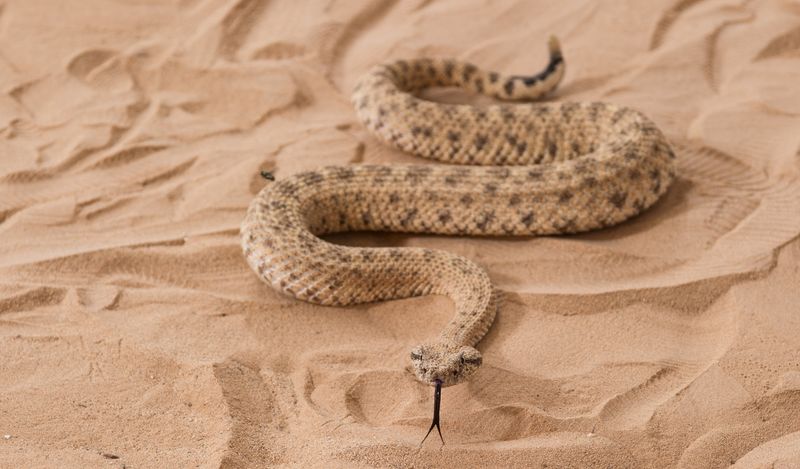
(519, 169)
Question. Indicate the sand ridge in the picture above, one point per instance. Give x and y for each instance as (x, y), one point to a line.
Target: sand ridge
(132, 332)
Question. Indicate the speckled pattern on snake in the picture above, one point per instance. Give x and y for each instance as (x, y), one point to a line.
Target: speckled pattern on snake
(516, 169)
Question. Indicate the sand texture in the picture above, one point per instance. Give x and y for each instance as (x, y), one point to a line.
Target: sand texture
(133, 333)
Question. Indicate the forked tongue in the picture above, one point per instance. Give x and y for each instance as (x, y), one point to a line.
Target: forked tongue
(437, 401)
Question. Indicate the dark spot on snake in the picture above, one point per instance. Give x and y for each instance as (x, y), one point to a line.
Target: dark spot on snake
(618, 199)
(527, 219)
(493, 77)
(566, 226)
(564, 197)
(508, 228)
(484, 220)
(448, 69)
(581, 167)
(499, 172)
(345, 173)
(618, 115)
(568, 110)
(409, 217)
(416, 174)
(288, 189)
(509, 87)
(655, 174)
(535, 174)
(453, 136)
(542, 111)
(313, 177)
(480, 141)
(469, 69)
(657, 187)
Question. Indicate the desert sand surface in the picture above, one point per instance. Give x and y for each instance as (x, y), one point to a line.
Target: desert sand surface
(133, 334)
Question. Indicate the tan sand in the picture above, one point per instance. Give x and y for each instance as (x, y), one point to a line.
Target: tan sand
(133, 334)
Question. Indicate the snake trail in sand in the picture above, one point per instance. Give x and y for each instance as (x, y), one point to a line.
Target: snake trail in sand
(520, 169)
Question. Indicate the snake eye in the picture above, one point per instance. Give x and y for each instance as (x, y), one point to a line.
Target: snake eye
(416, 356)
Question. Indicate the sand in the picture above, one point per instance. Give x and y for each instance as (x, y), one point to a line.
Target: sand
(133, 334)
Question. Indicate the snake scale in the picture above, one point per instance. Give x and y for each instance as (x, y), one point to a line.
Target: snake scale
(519, 169)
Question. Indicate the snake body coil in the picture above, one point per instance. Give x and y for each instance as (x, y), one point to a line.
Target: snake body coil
(522, 169)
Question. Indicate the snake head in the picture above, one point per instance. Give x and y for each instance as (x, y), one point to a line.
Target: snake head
(451, 365)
